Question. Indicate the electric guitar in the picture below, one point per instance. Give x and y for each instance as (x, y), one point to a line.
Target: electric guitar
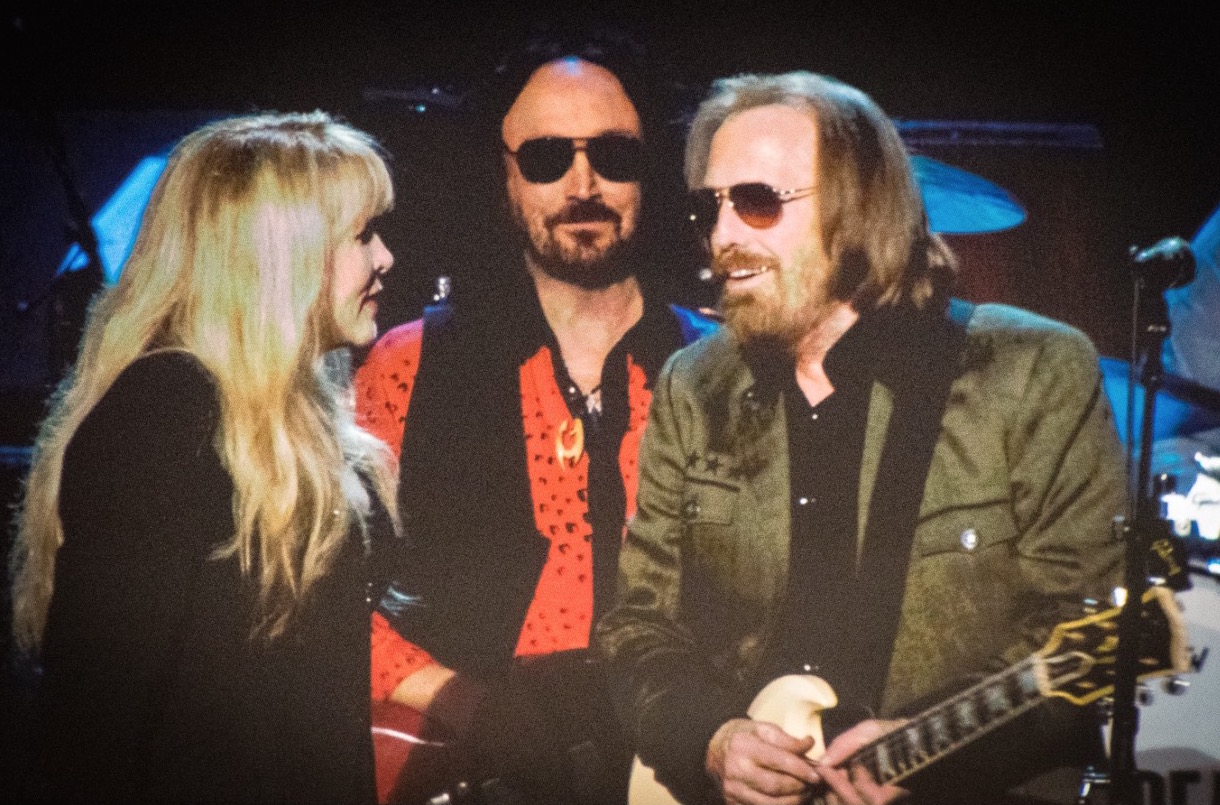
(557, 731)
(1077, 664)
(412, 756)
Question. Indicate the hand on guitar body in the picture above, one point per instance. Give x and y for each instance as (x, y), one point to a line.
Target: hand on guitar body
(541, 733)
(758, 763)
(442, 694)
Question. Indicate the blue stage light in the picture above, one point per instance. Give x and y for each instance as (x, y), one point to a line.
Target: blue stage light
(115, 225)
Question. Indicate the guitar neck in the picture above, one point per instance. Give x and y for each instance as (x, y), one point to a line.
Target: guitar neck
(958, 721)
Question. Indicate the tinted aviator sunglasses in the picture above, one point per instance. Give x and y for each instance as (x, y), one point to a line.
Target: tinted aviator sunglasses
(759, 205)
(615, 157)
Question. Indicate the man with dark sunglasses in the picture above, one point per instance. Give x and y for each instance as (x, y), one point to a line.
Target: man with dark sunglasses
(518, 454)
(855, 479)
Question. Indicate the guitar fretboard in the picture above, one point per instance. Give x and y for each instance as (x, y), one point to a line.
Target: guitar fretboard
(952, 724)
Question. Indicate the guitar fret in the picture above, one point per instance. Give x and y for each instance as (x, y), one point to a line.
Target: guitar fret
(964, 712)
(902, 754)
(885, 769)
(938, 731)
(914, 739)
(1027, 680)
(996, 701)
(870, 762)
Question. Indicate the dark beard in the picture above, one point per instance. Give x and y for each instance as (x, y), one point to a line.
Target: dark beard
(609, 268)
(592, 273)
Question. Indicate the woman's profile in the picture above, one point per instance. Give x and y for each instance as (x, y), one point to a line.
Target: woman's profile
(194, 535)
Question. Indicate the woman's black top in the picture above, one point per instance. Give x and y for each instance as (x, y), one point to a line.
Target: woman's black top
(153, 688)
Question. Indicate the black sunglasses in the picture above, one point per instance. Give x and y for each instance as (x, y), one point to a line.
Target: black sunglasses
(759, 205)
(615, 157)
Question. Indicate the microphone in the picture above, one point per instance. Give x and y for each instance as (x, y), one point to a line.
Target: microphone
(1168, 263)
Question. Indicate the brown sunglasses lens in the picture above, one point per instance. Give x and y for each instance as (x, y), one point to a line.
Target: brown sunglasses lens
(755, 203)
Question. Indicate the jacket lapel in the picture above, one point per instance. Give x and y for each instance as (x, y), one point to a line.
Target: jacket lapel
(908, 402)
(880, 410)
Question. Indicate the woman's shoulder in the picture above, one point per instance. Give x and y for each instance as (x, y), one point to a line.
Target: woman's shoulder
(166, 370)
(146, 455)
(163, 396)
(166, 379)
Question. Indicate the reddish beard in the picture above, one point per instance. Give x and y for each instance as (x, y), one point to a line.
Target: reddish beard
(784, 309)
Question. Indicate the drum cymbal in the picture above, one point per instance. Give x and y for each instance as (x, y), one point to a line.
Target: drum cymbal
(960, 203)
(1183, 407)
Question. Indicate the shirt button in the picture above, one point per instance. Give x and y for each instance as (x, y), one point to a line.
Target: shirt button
(970, 539)
(806, 501)
(814, 417)
(690, 509)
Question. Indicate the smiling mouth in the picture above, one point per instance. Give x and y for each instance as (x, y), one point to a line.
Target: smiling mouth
(746, 273)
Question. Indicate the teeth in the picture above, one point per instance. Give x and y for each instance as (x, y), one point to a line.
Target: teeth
(744, 273)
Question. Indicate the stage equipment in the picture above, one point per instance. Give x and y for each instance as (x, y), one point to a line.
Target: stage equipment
(1178, 746)
(960, 203)
(1154, 270)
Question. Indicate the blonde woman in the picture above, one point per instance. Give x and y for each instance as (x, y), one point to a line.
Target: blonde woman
(192, 544)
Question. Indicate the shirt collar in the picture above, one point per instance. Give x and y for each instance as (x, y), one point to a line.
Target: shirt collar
(853, 358)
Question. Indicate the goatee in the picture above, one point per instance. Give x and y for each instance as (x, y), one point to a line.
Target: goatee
(586, 264)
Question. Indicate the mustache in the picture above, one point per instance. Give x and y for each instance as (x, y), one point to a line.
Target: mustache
(584, 211)
(734, 258)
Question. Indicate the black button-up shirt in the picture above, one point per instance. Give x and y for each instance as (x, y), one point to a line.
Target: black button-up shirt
(825, 447)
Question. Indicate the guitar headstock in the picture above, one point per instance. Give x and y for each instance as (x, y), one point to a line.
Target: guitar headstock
(1079, 657)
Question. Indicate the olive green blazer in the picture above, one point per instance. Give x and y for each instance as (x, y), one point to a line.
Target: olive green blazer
(1013, 532)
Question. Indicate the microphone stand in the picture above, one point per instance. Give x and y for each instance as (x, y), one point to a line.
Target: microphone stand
(70, 291)
(1152, 328)
(1123, 780)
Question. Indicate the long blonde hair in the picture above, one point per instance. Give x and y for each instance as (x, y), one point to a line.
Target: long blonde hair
(233, 265)
(873, 219)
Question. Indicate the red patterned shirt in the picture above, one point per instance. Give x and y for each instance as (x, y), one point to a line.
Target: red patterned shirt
(560, 615)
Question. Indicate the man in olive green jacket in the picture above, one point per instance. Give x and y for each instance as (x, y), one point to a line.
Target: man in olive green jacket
(983, 474)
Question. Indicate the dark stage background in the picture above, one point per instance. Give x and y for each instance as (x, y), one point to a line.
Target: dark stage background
(109, 86)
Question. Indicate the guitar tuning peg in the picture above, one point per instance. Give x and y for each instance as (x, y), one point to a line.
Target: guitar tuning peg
(1105, 708)
(1175, 685)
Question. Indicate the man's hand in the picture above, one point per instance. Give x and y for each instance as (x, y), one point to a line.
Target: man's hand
(441, 694)
(854, 785)
(757, 763)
